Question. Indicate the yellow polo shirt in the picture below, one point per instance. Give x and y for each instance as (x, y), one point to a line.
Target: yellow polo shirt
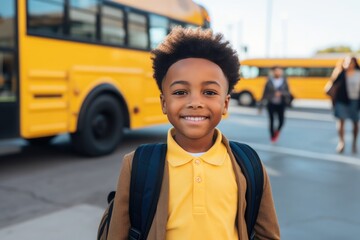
(203, 194)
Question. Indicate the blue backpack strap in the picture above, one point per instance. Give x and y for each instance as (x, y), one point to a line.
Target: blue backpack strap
(146, 179)
(251, 167)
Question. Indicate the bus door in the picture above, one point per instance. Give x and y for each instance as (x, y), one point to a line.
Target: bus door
(9, 100)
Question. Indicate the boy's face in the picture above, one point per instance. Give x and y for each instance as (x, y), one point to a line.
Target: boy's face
(194, 97)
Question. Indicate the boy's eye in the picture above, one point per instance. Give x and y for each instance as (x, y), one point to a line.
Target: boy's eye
(179, 92)
(210, 92)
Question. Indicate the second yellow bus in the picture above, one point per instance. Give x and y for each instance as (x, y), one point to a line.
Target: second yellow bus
(306, 77)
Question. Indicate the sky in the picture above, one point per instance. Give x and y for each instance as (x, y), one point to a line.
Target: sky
(298, 28)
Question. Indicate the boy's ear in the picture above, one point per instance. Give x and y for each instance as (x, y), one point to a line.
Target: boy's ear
(226, 106)
(163, 103)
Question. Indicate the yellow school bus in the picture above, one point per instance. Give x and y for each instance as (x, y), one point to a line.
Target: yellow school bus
(306, 77)
(83, 67)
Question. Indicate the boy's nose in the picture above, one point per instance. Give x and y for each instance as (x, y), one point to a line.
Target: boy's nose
(195, 102)
(195, 105)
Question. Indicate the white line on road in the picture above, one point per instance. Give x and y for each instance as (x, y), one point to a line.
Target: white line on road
(310, 116)
(327, 117)
(307, 154)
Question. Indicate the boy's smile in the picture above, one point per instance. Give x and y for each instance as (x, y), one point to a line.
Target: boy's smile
(194, 97)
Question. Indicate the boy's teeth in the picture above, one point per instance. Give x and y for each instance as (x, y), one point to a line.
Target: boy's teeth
(195, 118)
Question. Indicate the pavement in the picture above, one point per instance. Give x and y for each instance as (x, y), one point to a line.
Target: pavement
(78, 222)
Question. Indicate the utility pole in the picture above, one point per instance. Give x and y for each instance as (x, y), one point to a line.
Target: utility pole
(239, 43)
(284, 23)
(268, 28)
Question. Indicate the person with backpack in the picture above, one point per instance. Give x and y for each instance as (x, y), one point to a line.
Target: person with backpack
(198, 185)
(276, 96)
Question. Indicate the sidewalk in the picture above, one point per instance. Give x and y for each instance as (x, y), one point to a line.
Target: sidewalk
(76, 223)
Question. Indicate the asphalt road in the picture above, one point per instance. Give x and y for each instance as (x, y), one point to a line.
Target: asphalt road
(315, 190)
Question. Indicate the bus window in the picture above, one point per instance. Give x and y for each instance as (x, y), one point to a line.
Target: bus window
(46, 17)
(137, 30)
(249, 72)
(83, 19)
(7, 25)
(7, 78)
(264, 72)
(158, 29)
(112, 25)
(296, 72)
(320, 72)
(87, 4)
(244, 71)
(7, 44)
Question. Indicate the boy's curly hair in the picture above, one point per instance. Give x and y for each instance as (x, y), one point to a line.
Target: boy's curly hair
(184, 43)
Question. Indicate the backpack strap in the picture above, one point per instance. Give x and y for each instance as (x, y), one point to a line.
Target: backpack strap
(110, 200)
(103, 230)
(251, 167)
(145, 184)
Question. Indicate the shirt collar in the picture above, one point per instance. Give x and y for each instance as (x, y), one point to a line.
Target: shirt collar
(177, 156)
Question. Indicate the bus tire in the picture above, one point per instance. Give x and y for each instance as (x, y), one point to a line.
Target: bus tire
(102, 128)
(246, 99)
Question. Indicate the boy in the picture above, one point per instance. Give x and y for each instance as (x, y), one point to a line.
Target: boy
(203, 190)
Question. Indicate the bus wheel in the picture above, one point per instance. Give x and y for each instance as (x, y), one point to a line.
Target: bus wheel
(102, 128)
(40, 141)
(246, 99)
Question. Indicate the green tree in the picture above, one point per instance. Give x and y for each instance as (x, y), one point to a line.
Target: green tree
(336, 49)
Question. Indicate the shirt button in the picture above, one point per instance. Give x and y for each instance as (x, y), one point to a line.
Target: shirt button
(198, 179)
(197, 161)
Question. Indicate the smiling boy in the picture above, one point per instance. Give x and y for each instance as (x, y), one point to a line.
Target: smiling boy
(194, 97)
(203, 189)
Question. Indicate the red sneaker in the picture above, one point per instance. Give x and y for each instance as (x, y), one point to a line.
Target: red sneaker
(276, 135)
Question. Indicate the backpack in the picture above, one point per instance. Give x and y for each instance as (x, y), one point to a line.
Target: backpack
(145, 184)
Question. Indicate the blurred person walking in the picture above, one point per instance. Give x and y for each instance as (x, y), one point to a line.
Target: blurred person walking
(276, 97)
(345, 93)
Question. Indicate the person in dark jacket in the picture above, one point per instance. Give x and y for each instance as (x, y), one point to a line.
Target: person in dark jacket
(276, 97)
(346, 100)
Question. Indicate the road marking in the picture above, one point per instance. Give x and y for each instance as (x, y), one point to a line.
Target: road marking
(78, 223)
(307, 154)
(324, 117)
(310, 116)
(312, 104)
